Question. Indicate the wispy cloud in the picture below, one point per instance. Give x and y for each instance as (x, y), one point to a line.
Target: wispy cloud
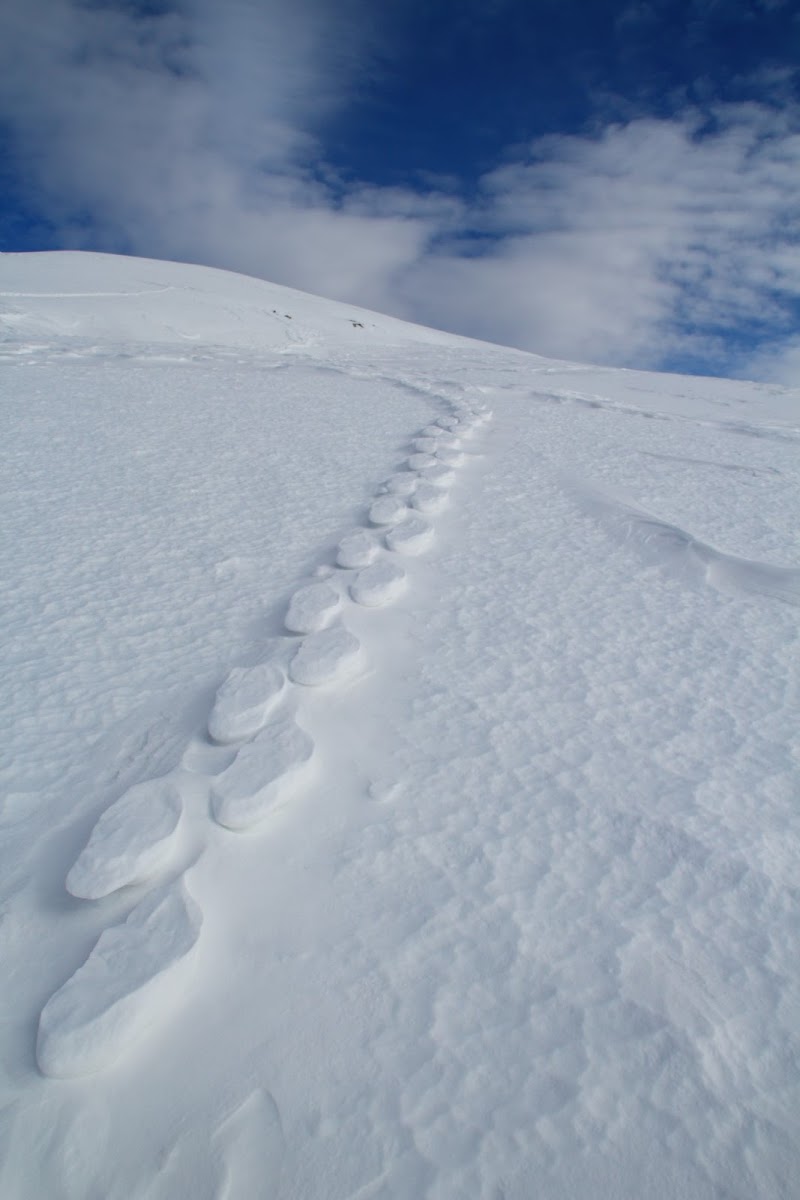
(653, 241)
(194, 133)
(189, 133)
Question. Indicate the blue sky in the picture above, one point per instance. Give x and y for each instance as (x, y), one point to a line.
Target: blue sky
(604, 181)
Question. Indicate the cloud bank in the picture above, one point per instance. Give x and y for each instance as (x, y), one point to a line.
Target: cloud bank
(196, 132)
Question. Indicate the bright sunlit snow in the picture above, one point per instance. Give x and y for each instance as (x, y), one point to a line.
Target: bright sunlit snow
(400, 758)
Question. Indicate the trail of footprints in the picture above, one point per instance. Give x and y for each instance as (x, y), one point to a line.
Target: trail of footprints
(129, 976)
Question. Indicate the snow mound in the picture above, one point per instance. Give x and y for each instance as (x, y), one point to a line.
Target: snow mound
(326, 657)
(378, 585)
(123, 988)
(438, 474)
(312, 608)
(401, 484)
(411, 537)
(261, 774)
(131, 841)
(428, 498)
(358, 549)
(387, 510)
(244, 701)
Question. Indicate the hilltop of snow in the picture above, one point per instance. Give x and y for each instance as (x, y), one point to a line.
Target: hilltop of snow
(106, 299)
(400, 758)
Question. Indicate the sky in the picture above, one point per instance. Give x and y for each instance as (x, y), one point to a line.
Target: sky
(595, 180)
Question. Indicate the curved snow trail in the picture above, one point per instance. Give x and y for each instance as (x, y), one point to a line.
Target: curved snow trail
(134, 840)
(517, 908)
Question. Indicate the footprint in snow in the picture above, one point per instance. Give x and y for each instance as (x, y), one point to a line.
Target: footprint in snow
(450, 458)
(134, 973)
(326, 657)
(428, 498)
(379, 584)
(133, 839)
(244, 702)
(386, 510)
(435, 438)
(439, 474)
(418, 462)
(411, 537)
(358, 549)
(402, 484)
(312, 608)
(469, 423)
(261, 774)
(447, 422)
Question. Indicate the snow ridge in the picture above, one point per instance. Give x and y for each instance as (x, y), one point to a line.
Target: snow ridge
(254, 755)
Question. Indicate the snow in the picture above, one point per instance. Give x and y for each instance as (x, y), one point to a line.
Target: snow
(325, 657)
(357, 549)
(121, 989)
(263, 770)
(312, 608)
(508, 906)
(404, 483)
(685, 554)
(428, 498)
(418, 462)
(130, 842)
(379, 584)
(387, 510)
(451, 458)
(245, 700)
(438, 475)
(411, 536)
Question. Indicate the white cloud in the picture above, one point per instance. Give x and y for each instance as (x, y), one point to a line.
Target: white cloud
(774, 362)
(190, 135)
(643, 244)
(193, 135)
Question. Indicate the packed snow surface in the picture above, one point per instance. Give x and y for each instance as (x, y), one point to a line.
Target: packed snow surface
(400, 758)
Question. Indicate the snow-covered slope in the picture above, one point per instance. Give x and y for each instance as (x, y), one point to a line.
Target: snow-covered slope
(105, 298)
(400, 758)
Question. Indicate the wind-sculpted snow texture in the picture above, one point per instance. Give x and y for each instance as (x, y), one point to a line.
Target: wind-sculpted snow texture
(424, 787)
